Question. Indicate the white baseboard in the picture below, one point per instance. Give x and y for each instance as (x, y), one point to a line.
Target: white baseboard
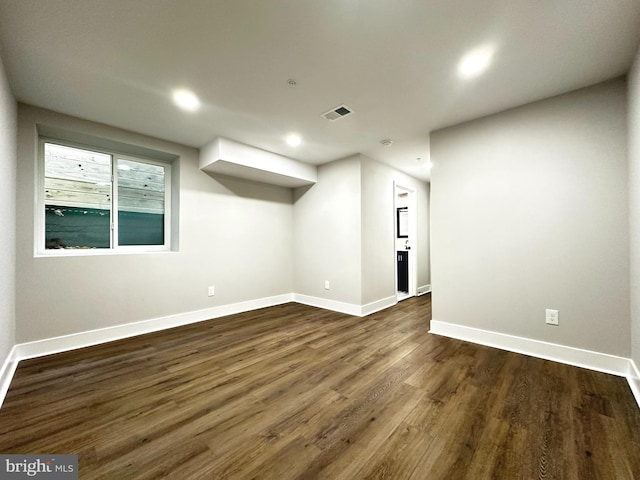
(335, 305)
(424, 289)
(633, 377)
(600, 362)
(559, 353)
(343, 307)
(378, 305)
(63, 343)
(48, 346)
(6, 374)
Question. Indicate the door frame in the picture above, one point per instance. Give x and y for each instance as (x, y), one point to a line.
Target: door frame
(413, 237)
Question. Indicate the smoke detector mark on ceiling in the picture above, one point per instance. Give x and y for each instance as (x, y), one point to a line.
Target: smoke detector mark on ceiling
(337, 113)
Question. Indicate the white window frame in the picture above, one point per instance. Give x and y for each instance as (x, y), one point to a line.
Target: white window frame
(114, 248)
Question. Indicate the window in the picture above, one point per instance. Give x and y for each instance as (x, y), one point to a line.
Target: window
(95, 199)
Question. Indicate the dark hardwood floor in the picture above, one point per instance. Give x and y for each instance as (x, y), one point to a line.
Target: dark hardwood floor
(298, 392)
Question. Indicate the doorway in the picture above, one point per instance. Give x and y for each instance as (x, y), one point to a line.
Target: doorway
(405, 244)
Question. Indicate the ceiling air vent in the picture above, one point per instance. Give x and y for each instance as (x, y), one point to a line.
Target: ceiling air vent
(336, 113)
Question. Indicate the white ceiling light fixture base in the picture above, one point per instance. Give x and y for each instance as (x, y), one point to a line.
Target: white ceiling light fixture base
(293, 139)
(186, 100)
(476, 61)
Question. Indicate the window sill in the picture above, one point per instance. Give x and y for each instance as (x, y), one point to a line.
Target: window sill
(97, 253)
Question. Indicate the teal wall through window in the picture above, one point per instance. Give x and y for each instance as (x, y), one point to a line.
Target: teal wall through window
(73, 227)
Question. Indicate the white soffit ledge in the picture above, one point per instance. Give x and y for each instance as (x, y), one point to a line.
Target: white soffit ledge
(227, 157)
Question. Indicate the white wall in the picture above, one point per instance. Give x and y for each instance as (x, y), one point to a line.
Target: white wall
(529, 211)
(378, 238)
(344, 232)
(423, 201)
(234, 234)
(8, 126)
(327, 234)
(634, 204)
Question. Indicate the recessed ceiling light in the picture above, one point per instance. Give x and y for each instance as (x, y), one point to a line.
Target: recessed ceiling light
(294, 139)
(475, 62)
(186, 100)
(387, 142)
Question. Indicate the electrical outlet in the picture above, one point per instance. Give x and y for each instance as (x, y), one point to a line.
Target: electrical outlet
(212, 291)
(551, 317)
(327, 285)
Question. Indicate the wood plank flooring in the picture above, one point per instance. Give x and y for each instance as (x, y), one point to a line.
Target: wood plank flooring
(295, 392)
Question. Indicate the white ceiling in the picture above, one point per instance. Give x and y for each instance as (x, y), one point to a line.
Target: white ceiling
(392, 61)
